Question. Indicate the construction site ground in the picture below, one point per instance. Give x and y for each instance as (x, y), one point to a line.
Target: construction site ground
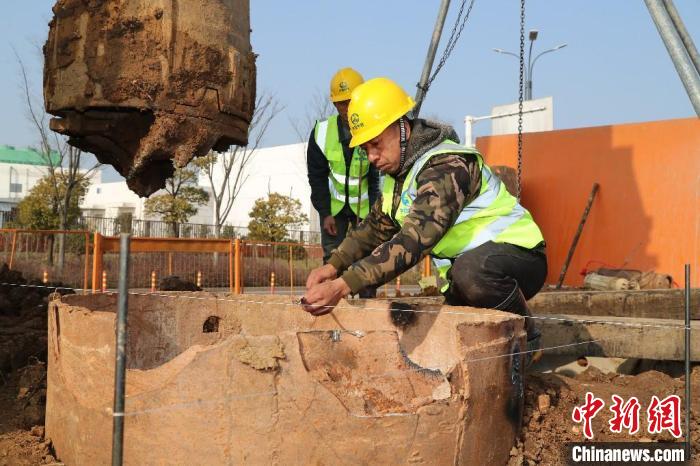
(549, 397)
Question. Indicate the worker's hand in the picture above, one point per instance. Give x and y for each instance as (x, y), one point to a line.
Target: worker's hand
(320, 275)
(329, 225)
(322, 298)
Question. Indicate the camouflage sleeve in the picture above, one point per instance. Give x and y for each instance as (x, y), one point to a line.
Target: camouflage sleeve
(375, 229)
(445, 186)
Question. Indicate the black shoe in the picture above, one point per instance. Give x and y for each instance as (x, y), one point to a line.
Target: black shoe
(517, 304)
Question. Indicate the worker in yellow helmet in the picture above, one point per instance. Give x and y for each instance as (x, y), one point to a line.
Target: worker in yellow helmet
(438, 198)
(343, 182)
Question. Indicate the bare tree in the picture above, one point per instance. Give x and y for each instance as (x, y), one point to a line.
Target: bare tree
(319, 108)
(62, 163)
(227, 172)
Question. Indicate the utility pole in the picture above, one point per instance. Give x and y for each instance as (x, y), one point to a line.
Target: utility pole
(432, 50)
(680, 55)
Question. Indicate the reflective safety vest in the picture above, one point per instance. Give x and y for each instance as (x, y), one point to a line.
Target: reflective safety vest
(494, 215)
(341, 184)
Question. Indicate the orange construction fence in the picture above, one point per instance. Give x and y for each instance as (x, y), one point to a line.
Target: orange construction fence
(29, 247)
(103, 244)
(218, 262)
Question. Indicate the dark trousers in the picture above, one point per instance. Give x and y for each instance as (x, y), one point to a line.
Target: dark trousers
(488, 275)
(343, 222)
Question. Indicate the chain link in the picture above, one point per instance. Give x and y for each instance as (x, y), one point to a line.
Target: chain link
(452, 41)
(520, 97)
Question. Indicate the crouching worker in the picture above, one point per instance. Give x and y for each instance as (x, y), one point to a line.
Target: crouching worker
(438, 198)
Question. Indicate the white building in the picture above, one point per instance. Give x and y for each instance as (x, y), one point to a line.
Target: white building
(20, 171)
(110, 200)
(278, 169)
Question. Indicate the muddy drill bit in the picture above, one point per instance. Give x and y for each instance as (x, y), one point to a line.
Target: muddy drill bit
(146, 86)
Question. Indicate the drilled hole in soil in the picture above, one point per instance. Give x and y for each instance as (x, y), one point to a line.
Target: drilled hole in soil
(211, 325)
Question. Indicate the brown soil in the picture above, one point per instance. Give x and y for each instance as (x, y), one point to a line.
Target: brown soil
(23, 320)
(22, 402)
(23, 328)
(546, 430)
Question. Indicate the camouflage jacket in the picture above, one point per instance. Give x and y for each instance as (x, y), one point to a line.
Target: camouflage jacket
(378, 250)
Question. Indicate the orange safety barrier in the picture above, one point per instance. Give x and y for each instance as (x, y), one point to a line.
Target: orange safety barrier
(287, 262)
(426, 267)
(259, 253)
(103, 244)
(16, 232)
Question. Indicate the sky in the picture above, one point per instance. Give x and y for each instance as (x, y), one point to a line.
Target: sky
(614, 69)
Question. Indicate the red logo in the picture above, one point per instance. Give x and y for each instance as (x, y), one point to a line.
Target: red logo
(661, 415)
(625, 415)
(587, 412)
(665, 415)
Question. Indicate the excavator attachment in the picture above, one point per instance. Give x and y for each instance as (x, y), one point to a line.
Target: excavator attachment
(147, 85)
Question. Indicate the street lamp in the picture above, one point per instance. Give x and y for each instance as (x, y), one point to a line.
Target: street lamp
(530, 62)
(528, 78)
(531, 66)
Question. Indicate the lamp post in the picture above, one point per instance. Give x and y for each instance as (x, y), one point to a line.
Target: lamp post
(530, 62)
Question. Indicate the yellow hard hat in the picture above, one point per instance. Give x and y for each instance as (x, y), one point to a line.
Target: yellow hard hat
(374, 106)
(343, 83)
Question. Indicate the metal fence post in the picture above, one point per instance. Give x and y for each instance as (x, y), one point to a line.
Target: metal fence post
(291, 271)
(231, 265)
(120, 353)
(237, 267)
(687, 360)
(86, 265)
(96, 262)
(12, 250)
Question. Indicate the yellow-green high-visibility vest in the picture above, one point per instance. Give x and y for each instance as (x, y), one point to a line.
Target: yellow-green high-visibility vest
(494, 215)
(342, 184)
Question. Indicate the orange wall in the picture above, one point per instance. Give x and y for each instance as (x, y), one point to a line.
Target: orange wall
(647, 212)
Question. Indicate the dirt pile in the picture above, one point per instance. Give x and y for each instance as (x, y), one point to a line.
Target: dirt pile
(550, 400)
(23, 318)
(175, 283)
(145, 84)
(22, 403)
(23, 340)
(25, 448)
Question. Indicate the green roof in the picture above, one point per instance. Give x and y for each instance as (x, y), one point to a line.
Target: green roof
(26, 156)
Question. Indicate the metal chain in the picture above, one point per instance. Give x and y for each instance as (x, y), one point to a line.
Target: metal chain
(520, 97)
(452, 41)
